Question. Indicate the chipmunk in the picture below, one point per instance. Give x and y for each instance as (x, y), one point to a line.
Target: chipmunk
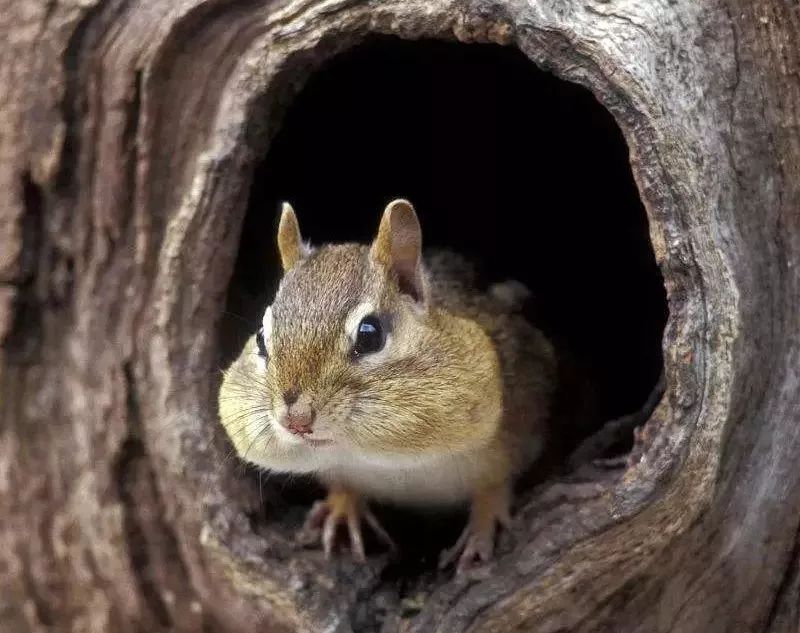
(391, 378)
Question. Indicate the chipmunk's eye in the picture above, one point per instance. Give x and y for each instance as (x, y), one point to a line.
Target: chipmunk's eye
(262, 346)
(370, 337)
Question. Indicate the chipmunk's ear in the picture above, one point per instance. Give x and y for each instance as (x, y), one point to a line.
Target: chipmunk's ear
(290, 242)
(398, 246)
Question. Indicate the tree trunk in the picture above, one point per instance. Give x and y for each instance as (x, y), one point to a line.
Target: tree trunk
(129, 133)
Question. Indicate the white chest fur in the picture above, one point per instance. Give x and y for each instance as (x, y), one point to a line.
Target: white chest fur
(441, 479)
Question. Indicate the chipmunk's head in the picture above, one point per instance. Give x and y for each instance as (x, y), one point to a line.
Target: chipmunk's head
(351, 358)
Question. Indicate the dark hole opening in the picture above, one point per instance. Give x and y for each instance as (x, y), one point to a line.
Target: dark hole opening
(526, 174)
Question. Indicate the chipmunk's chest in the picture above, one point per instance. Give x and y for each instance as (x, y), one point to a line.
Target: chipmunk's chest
(410, 480)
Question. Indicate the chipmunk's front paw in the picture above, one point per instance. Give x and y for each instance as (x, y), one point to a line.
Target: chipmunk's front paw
(476, 542)
(474, 545)
(341, 507)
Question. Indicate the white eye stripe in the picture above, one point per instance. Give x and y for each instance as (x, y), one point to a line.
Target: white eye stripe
(354, 319)
(266, 324)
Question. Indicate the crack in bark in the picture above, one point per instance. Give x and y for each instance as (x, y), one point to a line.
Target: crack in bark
(72, 101)
(69, 103)
(130, 460)
(619, 16)
(790, 581)
(22, 340)
(49, 10)
(129, 470)
(129, 138)
(734, 88)
(156, 559)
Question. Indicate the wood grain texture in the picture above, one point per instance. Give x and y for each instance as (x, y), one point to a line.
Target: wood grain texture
(128, 135)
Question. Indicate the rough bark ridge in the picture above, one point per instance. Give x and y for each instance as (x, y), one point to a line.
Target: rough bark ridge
(128, 135)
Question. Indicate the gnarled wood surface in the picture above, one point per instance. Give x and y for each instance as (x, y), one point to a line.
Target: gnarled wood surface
(128, 134)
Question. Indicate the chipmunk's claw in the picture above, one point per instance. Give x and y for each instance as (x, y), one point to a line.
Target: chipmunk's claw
(353, 523)
(471, 545)
(479, 547)
(326, 516)
(476, 542)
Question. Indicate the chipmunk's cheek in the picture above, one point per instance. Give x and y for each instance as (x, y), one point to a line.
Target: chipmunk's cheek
(328, 427)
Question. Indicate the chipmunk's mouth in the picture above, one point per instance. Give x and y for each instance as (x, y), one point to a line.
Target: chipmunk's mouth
(296, 439)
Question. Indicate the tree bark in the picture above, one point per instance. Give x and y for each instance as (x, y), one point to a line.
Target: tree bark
(129, 132)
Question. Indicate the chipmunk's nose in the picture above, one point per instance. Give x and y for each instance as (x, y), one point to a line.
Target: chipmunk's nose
(300, 422)
(300, 415)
